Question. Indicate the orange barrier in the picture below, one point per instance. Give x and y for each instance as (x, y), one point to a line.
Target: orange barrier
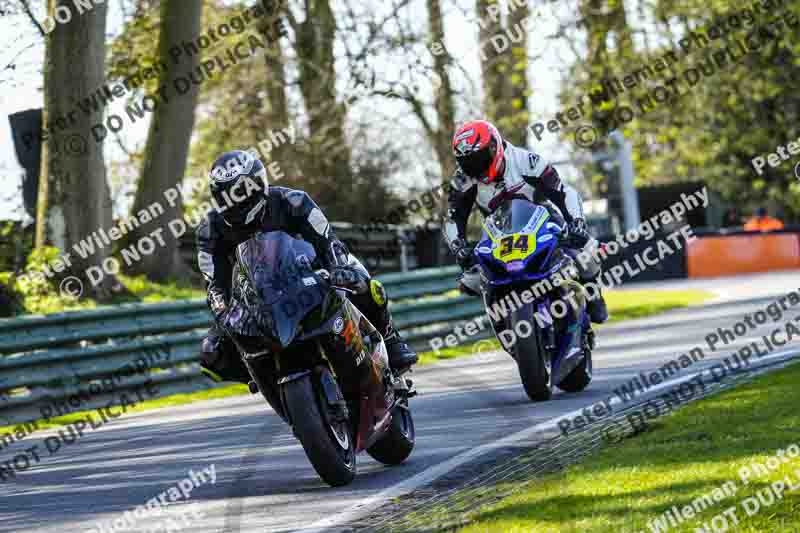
(740, 254)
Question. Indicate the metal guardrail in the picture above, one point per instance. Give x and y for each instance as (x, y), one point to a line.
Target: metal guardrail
(76, 361)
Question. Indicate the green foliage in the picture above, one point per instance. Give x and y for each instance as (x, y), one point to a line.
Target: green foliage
(236, 110)
(40, 294)
(148, 291)
(15, 243)
(713, 130)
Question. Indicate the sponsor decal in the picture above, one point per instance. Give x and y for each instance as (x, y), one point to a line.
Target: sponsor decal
(466, 135)
(463, 147)
(233, 168)
(378, 292)
(303, 261)
(318, 222)
(351, 337)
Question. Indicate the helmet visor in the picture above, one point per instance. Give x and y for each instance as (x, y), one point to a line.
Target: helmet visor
(476, 164)
(244, 211)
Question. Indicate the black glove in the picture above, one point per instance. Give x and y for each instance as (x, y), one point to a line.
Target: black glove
(350, 278)
(463, 252)
(218, 305)
(577, 233)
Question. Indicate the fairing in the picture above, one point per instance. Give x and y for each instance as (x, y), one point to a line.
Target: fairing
(279, 289)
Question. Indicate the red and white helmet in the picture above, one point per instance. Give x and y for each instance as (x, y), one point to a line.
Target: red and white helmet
(479, 152)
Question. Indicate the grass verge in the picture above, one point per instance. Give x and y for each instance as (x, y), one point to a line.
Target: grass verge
(678, 462)
(147, 405)
(622, 305)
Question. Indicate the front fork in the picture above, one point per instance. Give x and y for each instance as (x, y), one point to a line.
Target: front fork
(486, 294)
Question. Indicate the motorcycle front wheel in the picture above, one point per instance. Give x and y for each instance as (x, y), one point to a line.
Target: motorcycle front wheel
(328, 443)
(533, 360)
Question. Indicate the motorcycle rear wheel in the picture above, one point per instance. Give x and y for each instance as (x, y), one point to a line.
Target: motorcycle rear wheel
(328, 445)
(579, 378)
(398, 443)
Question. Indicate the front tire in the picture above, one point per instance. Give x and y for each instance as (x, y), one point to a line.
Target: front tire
(398, 443)
(328, 445)
(533, 362)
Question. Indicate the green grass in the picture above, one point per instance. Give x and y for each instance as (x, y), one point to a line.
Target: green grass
(680, 458)
(147, 405)
(625, 304)
(622, 304)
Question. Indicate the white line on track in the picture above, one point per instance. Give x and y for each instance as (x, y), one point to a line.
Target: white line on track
(425, 477)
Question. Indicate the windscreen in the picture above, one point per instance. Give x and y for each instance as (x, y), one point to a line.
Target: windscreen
(515, 216)
(279, 269)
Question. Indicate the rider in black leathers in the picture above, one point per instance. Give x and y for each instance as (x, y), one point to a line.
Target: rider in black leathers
(245, 204)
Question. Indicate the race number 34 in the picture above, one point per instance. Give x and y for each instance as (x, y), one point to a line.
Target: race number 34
(513, 242)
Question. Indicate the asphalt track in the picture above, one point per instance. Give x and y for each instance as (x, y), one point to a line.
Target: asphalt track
(466, 408)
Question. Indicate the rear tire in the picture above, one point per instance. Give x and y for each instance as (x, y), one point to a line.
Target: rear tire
(398, 443)
(331, 451)
(580, 377)
(534, 365)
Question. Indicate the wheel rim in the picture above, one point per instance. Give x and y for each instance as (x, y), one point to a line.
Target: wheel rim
(406, 426)
(339, 431)
(340, 435)
(548, 367)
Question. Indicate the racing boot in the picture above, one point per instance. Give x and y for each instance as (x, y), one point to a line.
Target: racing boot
(219, 359)
(375, 305)
(400, 355)
(596, 307)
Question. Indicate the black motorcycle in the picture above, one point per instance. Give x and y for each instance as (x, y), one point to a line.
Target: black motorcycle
(317, 360)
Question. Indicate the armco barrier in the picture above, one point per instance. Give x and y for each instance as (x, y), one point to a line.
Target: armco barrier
(75, 361)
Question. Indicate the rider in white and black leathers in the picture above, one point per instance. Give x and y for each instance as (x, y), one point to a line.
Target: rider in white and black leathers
(490, 170)
(247, 205)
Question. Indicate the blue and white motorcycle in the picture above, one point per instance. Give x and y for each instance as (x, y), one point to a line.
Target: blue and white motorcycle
(537, 309)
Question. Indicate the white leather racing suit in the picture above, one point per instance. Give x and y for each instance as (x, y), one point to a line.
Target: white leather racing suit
(525, 173)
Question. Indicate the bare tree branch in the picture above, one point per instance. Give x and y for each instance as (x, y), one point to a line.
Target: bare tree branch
(11, 65)
(27, 8)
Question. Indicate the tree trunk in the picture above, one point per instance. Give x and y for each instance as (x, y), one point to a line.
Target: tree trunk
(275, 62)
(168, 143)
(328, 161)
(445, 109)
(494, 63)
(515, 123)
(504, 65)
(74, 199)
